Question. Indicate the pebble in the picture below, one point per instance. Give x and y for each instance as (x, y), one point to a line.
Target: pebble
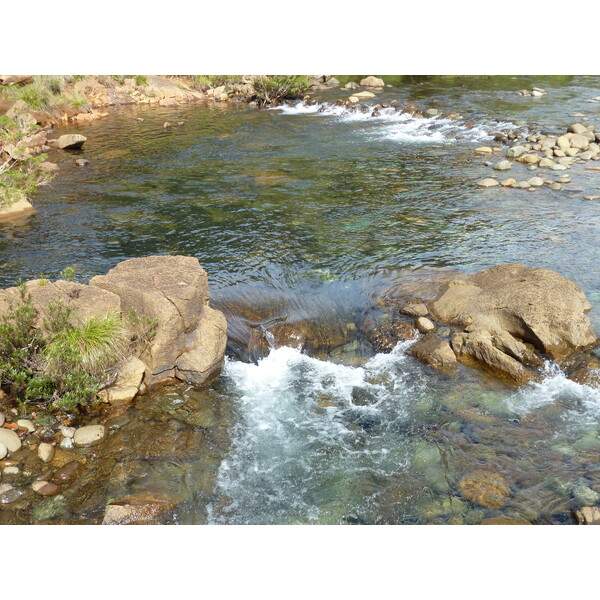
(10, 439)
(508, 182)
(546, 162)
(556, 187)
(46, 452)
(45, 488)
(536, 182)
(3, 451)
(66, 443)
(484, 150)
(2, 419)
(557, 167)
(11, 470)
(503, 165)
(563, 179)
(67, 432)
(524, 185)
(82, 162)
(488, 182)
(26, 424)
(424, 325)
(515, 152)
(591, 197)
(532, 168)
(89, 436)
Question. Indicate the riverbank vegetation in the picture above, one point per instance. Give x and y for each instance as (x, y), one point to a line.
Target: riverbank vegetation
(60, 365)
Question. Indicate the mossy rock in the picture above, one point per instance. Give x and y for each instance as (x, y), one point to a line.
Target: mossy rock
(485, 488)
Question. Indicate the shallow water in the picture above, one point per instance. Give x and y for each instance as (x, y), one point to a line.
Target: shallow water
(313, 214)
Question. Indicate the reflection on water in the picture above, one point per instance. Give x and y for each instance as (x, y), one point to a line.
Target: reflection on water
(306, 214)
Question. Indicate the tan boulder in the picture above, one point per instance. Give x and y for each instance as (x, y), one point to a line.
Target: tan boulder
(127, 385)
(84, 301)
(20, 208)
(371, 81)
(433, 350)
(190, 337)
(537, 306)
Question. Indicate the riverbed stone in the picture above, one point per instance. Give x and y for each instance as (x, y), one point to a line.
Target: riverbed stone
(424, 325)
(26, 424)
(536, 182)
(486, 488)
(3, 451)
(588, 515)
(484, 150)
(372, 81)
(46, 452)
(10, 439)
(139, 509)
(488, 182)
(71, 141)
(363, 94)
(580, 142)
(90, 435)
(508, 182)
(45, 488)
(127, 385)
(529, 159)
(415, 309)
(50, 508)
(503, 165)
(577, 128)
(434, 351)
(515, 152)
(351, 85)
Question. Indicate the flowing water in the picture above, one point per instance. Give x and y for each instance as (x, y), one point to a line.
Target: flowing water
(308, 213)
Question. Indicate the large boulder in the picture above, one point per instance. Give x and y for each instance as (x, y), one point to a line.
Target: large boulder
(71, 141)
(84, 301)
(190, 337)
(433, 350)
(536, 306)
(371, 81)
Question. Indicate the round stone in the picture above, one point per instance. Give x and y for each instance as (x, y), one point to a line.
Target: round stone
(46, 452)
(488, 182)
(89, 436)
(503, 165)
(536, 182)
(67, 432)
(45, 488)
(10, 439)
(3, 451)
(424, 325)
(26, 424)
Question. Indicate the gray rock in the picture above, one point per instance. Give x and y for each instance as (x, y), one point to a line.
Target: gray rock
(488, 183)
(503, 165)
(579, 141)
(424, 325)
(50, 508)
(515, 152)
(559, 167)
(536, 182)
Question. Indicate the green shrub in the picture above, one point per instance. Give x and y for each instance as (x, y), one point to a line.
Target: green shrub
(65, 366)
(120, 79)
(141, 80)
(272, 89)
(78, 102)
(19, 180)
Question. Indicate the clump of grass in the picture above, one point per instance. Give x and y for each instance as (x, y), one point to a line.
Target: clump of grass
(78, 102)
(214, 81)
(141, 80)
(120, 79)
(68, 273)
(63, 365)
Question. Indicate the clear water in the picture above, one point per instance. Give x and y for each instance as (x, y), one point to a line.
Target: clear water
(304, 214)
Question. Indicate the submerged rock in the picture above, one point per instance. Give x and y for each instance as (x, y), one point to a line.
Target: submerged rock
(485, 488)
(139, 509)
(433, 350)
(71, 141)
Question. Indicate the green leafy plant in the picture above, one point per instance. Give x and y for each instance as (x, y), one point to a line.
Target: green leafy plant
(141, 80)
(272, 89)
(68, 273)
(62, 365)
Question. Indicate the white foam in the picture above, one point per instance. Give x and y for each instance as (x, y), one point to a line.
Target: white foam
(401, 127)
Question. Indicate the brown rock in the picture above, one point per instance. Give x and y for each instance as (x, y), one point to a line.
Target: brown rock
(139, 509)
(485, 488)
(45, 488)
(588, 515)
(535, 305)
(433, 350)
(415, 309)
(71, 141)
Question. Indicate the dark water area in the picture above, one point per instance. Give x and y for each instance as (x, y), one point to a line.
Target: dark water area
(319, 213)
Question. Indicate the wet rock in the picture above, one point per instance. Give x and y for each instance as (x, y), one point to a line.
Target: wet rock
(45, 488)
(371, 81)
(46, 452)
(588, 515)
(488, 183)
(579, 141)
(432, 112)
(82, 162)
(486, 488)
(10, 439)
(529, 159)
(67, 432)
(66, 443)
(508, 182)
(536, 182)
(505, 520)
(351, 85)
(578, 128)
(71, 141)
(434, 351)
(68, 472)
(9, 494)
(89, 436)
(584, 494)
(26, 424)
(535, 305)
(3, 451)
(363, 94)
(139, 509)
(515, 152)
(190, 337)
(415, 309)
(503, 165)
(484, 150)
(50, 508)
(424, 325)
